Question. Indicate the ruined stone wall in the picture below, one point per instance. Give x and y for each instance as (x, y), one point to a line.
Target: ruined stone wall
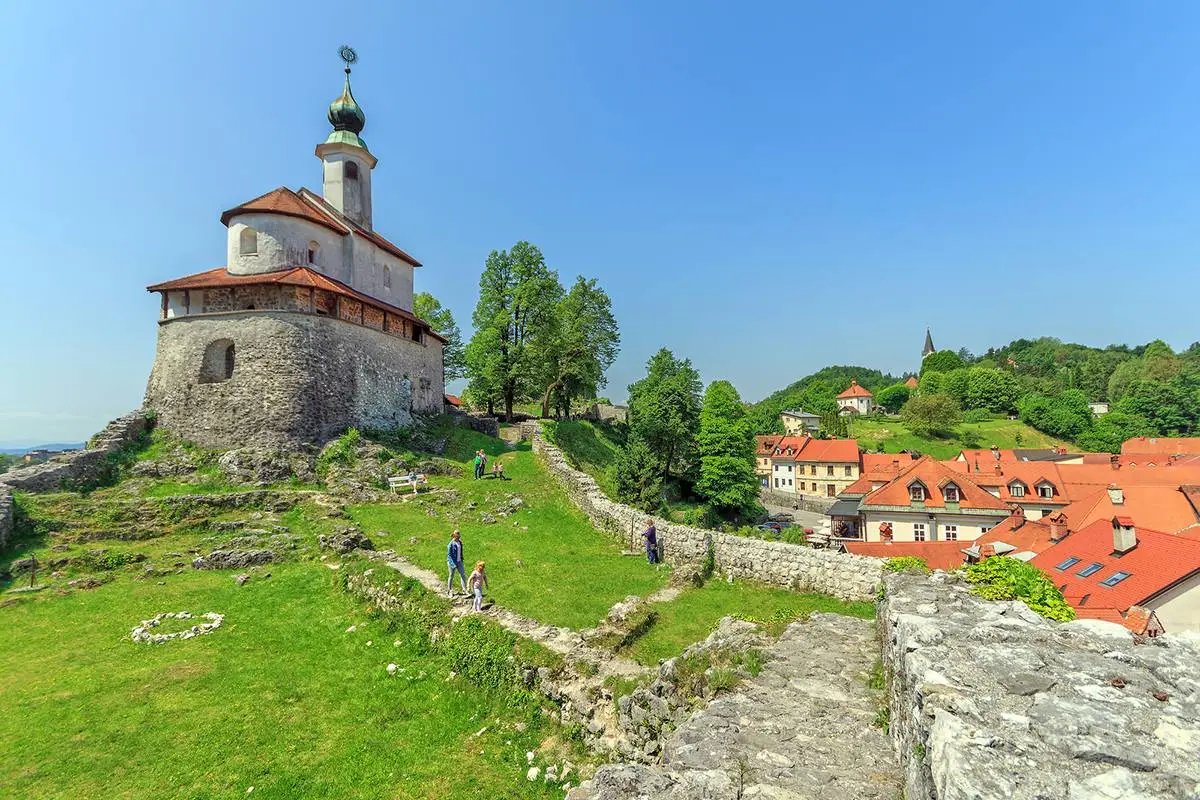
(297, 379)
(80, 466)
(6, 516)
(841, 575)
(809, 502)
(991, 701)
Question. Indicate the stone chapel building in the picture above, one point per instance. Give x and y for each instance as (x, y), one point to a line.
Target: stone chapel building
(309, 328)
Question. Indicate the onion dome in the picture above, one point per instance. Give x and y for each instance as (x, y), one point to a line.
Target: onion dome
(347, 118)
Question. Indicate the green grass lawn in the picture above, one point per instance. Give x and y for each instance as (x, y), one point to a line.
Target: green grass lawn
(280, 698)
(693, 615)
(560, 571)
(893, 436)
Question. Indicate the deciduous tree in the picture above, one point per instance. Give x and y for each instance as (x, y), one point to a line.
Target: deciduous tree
(931, 415)
(578, 348)
(454, 361)
(942, 361)
(664, 409)
(894, 397)
(726, 448)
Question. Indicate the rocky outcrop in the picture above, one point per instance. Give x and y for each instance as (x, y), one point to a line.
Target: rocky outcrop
(266, 465)
(841, 575)
(346, 540)
(80, 467)
(992, 702)
(6, 516)
(234, 559)
(802, 729)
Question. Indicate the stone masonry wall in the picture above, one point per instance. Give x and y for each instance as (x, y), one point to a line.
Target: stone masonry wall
(297, 379)
(81, 465)
(792, 500)
(841, 575)
(990, 701)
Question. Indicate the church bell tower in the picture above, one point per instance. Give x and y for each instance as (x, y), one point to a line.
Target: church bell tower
(347, 162)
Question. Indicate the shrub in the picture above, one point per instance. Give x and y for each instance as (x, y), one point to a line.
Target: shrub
(1004, 578)
(905, 563)
(978, 415)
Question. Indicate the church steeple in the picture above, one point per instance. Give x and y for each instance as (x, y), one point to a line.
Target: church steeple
(928, 349)
(347, 161)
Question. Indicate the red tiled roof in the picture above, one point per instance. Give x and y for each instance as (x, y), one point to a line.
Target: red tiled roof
(1029, 536)
(454, 400)
(1161, 508)
(933, 474)
(986, 457)
(1157, 562)
(1001, 476)
(297, 276)
(855, 391)
(911, 383)
(313, 208)
(765, 445)
(936, 555)
(1161, 445)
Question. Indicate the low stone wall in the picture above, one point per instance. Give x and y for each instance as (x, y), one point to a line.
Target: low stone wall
(80, 466)
(990, 701)
(818, 505)
(6, 516)
(480, 423)
(841, 575)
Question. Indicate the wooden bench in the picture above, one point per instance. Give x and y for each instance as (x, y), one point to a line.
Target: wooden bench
(404, 481)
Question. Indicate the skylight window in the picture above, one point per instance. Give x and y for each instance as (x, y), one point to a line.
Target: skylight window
(1090, 569)
(1070, 562)
(1114, 579)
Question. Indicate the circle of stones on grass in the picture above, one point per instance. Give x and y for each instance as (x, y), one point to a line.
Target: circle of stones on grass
(144, 633)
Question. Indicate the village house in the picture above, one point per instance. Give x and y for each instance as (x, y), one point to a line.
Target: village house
(815, 467)
(798, 423)
(856, 400)
(929, 501)
(1146, 580)
(764, 447)
(1161, 445)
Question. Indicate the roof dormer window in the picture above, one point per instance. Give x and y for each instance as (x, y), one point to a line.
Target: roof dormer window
(916, 493)
(1016, 489)
(951, 493)
(1046, 491)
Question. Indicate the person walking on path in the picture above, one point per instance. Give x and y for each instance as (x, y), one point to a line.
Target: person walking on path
(454, 560)
(651, 537)
(478, 582)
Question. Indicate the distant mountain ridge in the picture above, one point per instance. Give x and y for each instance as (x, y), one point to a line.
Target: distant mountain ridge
(54, 448)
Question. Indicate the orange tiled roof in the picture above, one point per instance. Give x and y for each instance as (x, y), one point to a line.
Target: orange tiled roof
(1157, 562)
(1001, 476)
(454, 400)
(1161, 508)
(1029, 536)
(765, 445)
(936, 555)
(855, 391)
(297, 276)
(911, 383)
(806, 448)
(1161, 445)
(934, 475)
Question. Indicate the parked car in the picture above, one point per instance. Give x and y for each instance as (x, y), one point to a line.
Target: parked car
(770, 526)
(784, 517)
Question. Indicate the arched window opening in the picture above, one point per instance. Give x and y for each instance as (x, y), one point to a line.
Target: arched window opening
(313, 248)
(248, 242)
(387, 277)
(218, 362)
(351, 171)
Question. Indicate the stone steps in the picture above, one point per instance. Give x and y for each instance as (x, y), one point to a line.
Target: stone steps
(802, 729)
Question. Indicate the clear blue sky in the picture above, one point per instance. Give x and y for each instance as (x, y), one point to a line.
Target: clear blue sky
(765, 188)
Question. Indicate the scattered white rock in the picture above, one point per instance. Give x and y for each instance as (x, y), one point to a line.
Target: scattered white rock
(369, 643)
(352, 629)
(532, 774)
(391, 669)
(529, 757)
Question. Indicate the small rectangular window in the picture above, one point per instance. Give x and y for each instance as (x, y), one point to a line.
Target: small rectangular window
(829, 470)
(1114, 579)
(849, 471)
(1090, 569)
(1070, 562)
(918, 532)
(951, 532)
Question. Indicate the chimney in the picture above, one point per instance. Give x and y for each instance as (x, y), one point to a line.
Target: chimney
(995, 452)
(1124, 535)
(999, 471)
(976, 465)
(1115, 495)
(1018, 517)
(1058, 529)
(1114, 461)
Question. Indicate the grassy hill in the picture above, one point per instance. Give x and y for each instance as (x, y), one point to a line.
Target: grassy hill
(892, 436)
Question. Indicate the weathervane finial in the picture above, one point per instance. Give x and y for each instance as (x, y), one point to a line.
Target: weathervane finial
(347, 54)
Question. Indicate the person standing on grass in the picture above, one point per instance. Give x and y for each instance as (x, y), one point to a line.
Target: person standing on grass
(454, 560)
(478, 464)
(651, 537)
(478, 582)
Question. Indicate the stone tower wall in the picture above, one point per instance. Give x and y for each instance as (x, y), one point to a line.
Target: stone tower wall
(297, 379)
